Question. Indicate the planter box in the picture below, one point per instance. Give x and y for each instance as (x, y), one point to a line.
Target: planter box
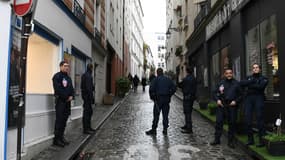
(203, 105)
(276, 148)
(108, 99)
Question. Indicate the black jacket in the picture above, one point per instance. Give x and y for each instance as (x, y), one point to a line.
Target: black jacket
(255, 84)
(227, 91)
(62, 85)
(162, 86)
(87, 86)
(189, 86)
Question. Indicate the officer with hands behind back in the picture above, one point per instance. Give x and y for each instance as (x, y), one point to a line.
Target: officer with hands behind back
(188, 86)
(161, 90)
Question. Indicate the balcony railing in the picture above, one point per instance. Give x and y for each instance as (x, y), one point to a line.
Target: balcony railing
(97, 35)
(78, 11)
(205, 8)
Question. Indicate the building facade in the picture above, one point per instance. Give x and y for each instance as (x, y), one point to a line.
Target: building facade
(238, 33)
(136, 38)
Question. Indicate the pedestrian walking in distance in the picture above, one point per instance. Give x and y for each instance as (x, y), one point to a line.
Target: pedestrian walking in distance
(143, 82)
(255, 85)
(161, 90)
(188, 86)
(87, 89)
(64, 94)
(227, 95)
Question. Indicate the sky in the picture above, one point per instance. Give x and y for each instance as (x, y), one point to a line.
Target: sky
(154, 22)
(154, 15)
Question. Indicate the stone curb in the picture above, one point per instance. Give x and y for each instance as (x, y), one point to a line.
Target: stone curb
(75, 152)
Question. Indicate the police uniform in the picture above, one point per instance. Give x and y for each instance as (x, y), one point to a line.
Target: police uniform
(228, 90)
(254, 100)
(188, 86)
(161, 90)
(63, 88)
(87, 88)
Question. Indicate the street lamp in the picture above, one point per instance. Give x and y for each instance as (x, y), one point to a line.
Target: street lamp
(168, 33)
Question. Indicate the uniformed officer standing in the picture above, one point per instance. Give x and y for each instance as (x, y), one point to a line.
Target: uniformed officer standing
(255, 84)
(188, 86)
(87, 88)
(64, 93)
(227, 95)
(161, 90)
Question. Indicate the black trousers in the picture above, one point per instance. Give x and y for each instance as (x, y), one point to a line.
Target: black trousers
(187, 109)
(87, 114)
(164, 107)
(62, 111)
(229, 113)
(255, 103)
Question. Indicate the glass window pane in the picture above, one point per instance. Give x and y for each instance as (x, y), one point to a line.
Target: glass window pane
(252, 48)
(215, 69)
(269, 56)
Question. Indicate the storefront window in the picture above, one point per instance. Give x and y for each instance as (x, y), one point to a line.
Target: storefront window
(252, 48)
(266, 53)
(42, 63)
(225, 60)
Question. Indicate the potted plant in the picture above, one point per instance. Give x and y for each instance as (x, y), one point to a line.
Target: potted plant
(212, 106)
(275, 143)
(122, 86)
(203, 103)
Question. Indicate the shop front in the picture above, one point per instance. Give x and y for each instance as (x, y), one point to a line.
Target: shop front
(262, 45)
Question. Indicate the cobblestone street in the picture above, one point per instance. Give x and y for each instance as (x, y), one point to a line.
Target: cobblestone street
(123, 135)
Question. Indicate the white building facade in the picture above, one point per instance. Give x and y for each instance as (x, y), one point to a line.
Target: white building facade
(136, 38)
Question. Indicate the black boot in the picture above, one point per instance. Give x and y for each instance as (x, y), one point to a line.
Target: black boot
(184, 127)
(215, 142)
(151, 132)
(261, 143)
(164, 131)
(250, 141)
(64, 141)
(58, 142)
(187, 131)
(231, 143)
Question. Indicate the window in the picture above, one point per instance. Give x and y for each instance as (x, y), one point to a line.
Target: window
(261, 47)
(215, 74)
(41, 65)
(77, 68)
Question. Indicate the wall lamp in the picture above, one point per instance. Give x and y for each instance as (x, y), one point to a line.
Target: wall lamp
(168, 33)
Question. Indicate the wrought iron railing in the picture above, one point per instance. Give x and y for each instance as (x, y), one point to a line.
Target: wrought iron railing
(78, 11)
(205, 8)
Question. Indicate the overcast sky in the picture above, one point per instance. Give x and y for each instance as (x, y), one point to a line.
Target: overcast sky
(154, 15)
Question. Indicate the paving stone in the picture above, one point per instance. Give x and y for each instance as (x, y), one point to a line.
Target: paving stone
(123, 135)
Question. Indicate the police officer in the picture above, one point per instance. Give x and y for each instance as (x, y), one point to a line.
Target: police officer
(161, 90)
(254, 100)
(87, 88)
(188, 86)
(227, 95)
(64, 93)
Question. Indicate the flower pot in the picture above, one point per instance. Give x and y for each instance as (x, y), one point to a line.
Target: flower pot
(276, 148)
